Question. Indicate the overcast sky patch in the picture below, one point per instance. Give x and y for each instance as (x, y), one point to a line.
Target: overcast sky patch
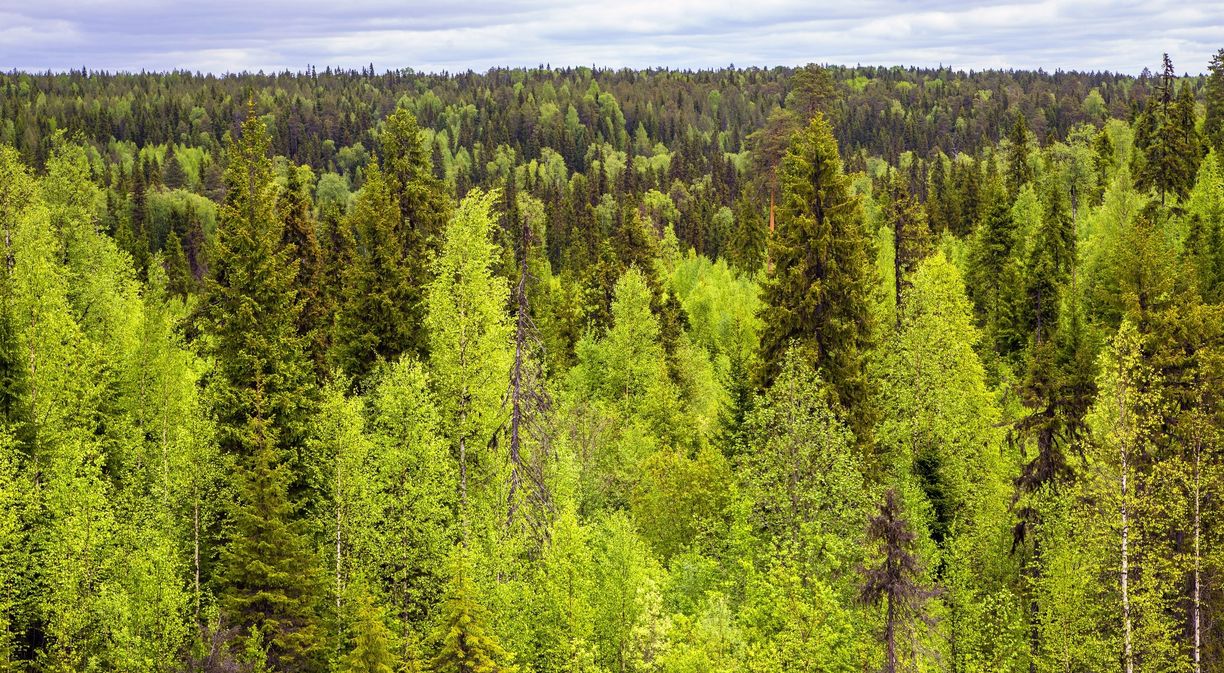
(273, 35)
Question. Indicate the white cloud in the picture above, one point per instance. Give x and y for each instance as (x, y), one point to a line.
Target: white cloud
(226, 35)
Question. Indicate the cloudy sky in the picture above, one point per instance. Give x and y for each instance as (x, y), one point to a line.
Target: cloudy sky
(233, 35)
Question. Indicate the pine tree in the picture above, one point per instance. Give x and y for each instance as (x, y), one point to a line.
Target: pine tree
(465, 641)
(813, 91)
(967, 180)
(819, 291)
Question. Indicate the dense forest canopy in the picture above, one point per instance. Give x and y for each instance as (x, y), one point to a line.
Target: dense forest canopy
(792, 369)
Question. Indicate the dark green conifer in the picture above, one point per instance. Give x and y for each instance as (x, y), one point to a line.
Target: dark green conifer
(424, 208)
(173, 175)
(302, 243)
(251, 308)
(465, 641)
(270, 584)
(818, 293)
(179, 281)
(375, 313)
(746, 249)
(1167, 140)
(1213, 124)
(1019, 172)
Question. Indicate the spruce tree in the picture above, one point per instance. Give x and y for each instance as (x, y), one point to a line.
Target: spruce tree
(821, 285)
(424, 208)
(1019, 172)
(301, 242)
(939, 203)
(372, 641)
(270, 583)
(132, 236)
(375, 311)
(994, 281)
(261, 393)
(179, 279)
(1166, 140)
(1105, 162)
(173, 175)
(251, 308)
(1213, 124)
(465, 641)
(746, 249)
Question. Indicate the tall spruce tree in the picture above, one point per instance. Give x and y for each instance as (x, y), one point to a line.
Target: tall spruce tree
(1167, 140)
(251, 308)
(820, 288)
(301, 241)
(374, 317)
(1213, 124)
(424, 208)
(261, 392)
(1019, 172)
(270, 585)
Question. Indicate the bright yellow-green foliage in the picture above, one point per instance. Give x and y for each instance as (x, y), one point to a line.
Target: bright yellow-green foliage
(257, 413)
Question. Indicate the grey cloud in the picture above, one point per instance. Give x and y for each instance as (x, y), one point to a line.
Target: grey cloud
(231, 35)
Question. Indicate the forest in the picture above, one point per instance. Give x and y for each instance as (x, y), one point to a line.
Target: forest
(545, 370)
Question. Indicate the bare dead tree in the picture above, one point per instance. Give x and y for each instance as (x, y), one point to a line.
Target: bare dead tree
(530, 408)
(897, 580)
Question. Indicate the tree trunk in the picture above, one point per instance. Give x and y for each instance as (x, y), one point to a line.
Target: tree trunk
(1127, 656)
(195, 527)
(1198, 628)
(339, 582)
(890, 637)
